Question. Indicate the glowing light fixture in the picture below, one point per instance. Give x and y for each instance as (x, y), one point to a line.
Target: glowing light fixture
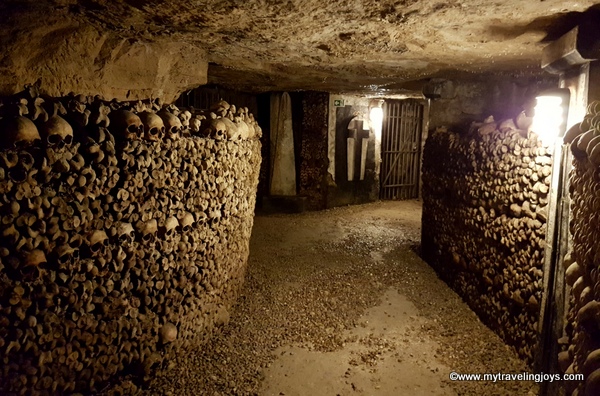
(550, 116)
(376, 118)
(376, 115)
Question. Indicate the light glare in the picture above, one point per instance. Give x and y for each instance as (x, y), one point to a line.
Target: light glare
(376, 118)
(548, 118)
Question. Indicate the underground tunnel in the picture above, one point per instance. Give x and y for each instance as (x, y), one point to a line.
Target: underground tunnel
(299, 198)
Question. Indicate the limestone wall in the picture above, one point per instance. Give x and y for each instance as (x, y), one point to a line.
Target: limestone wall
(52, 46)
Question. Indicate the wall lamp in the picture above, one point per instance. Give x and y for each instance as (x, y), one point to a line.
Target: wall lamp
(550, 115)
(376, 116)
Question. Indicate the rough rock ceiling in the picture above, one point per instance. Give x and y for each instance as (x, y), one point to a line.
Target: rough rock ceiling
(334, 45)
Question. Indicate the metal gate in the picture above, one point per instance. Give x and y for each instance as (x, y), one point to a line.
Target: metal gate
(400, 149)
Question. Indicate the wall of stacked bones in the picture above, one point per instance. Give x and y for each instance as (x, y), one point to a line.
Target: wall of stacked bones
(124, 234)
(313, 149)
(485, 196)
(582, 344)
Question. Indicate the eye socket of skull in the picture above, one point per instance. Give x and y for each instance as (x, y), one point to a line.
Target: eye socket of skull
(18, 174)
(65, 258)
(31, 272)
(153, 131)
(68, 139)
(95, 248)
(169, 233)
(186, 228)
(61, 239)
(147, 237)
(174, 130)
(132, 128)
(54, 139)
(23, 143)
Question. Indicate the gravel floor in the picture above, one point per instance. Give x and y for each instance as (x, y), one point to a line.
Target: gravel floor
(310, 279)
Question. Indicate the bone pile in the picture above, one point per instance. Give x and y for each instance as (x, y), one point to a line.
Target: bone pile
(485, 199)
(124, 235)
(582, 344)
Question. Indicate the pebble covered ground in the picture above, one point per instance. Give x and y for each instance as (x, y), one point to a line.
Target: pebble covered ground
(310, 278)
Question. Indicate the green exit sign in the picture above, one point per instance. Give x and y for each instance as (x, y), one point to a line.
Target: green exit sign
(338, 102)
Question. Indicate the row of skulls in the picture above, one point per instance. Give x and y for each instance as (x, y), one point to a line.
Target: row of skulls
(122, 233)
(222, 121)
(147, 125)
(27, 118)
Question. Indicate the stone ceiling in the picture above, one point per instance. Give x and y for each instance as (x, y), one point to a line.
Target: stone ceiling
(333, 45)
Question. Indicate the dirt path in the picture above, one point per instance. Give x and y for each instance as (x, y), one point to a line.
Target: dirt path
(337, 303)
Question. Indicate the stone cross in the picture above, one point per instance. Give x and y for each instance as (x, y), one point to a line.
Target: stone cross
(358, 132)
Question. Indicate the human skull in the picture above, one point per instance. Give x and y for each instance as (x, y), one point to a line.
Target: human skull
(148, 230)
(243, 128)
(57, 132)
(65, 254)
(35, 258)
(172, 123)
(171, 225)
(217, 129)
(97, 240)
(18, 132)
(125, 125)
(125, 232)
(201, 217)
(186, 221)
(154, 127)
(232, 132)
(33, 262)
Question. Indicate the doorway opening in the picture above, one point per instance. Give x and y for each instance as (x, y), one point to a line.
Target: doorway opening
(401, 149)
